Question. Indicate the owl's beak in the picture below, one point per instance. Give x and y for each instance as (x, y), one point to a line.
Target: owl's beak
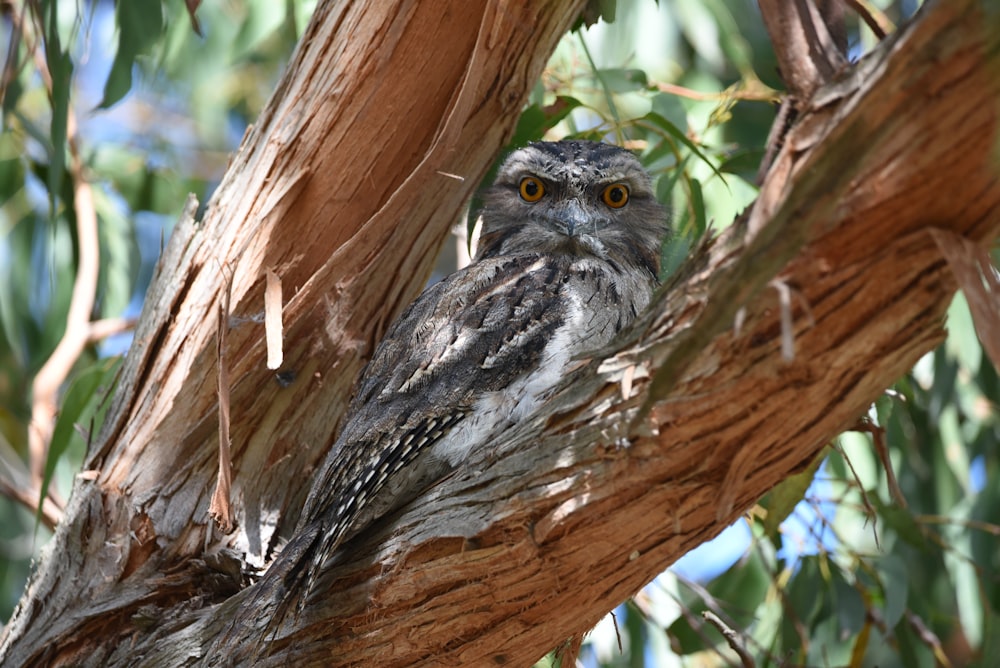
(571, 215)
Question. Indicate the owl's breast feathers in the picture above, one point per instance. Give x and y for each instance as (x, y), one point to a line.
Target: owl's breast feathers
(475, 351)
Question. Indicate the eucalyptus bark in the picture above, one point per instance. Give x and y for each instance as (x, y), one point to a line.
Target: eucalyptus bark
(345, 188)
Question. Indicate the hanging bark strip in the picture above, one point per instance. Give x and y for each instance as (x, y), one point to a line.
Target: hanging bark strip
(220, 509)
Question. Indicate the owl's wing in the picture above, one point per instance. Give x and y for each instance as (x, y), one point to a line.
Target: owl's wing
(474, 332)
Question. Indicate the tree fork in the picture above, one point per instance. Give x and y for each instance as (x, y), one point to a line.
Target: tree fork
(650, 448)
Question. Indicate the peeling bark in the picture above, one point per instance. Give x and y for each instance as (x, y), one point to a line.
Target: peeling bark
(340, 190)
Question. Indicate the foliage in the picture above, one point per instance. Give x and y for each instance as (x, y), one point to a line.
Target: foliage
(835, 567)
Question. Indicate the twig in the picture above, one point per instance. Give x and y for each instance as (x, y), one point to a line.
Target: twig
(928, 637)
(106, 327)
(869, 508)
(873, 17)
(756, 93)
(732, 638)
(51, 513)
(618, 635)
(877, 433)
(15, 484)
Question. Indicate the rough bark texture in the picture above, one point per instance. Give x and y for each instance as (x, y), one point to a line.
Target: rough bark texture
(650, 449)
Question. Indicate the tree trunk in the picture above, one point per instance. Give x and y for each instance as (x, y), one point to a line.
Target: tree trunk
(346, 188)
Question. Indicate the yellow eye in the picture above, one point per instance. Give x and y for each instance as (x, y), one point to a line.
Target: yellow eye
(615, 195)
(531, 189)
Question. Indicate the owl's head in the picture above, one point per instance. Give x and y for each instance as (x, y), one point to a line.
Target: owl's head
(576, 197)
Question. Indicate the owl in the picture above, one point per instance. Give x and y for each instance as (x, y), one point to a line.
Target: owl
(568, 256)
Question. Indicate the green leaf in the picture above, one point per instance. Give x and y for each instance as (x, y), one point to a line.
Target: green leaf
(671, 109)
(696, 21)
(675, 132)
(743, 162)
(140, 26)
(781, 501)
(849, 608)
(913, 651)
(119, 257)
(743, 587)
(594, 11)
(622, 80)
(805, 599)
(902, 522)
(826, 644)
(953, 444)
(260, 22)
(943, 389)
(61, 68)
(731, 38)
(883, 409)
(536, 120)
(739, 591)
(11, 169)
(990, 633)
(962, 342)
(697, 207)
(675, 252)
(634, 631)
(12, 96)
(87, 391)
(895, 580)
(985, 544)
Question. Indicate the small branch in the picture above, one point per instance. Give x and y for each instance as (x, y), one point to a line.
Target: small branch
(877, 433)
(10, 63)
(928, 637)
(869, 508)
(807, 42)
(15, 484)
(107, 327)
(874, 18)
(51, 513)
(732, 638)
(755, 92)
(50, 377)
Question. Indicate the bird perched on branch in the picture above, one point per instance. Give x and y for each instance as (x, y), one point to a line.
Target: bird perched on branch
(568, 256)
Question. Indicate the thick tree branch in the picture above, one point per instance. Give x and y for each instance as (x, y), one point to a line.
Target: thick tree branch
(596, 496)
(341, 189)
(571, 512)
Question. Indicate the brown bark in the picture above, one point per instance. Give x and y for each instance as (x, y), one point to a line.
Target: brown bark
(344, 182)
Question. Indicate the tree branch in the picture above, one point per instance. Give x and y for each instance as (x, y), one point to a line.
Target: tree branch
(570, 512)
(809, 41)
(48, 380)
(329, 188)
(592, 499)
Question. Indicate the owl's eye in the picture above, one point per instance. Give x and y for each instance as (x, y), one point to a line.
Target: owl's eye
(615, 195)
(531, 189)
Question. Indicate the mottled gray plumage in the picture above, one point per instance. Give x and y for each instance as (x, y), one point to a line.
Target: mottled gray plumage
(567, 257)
